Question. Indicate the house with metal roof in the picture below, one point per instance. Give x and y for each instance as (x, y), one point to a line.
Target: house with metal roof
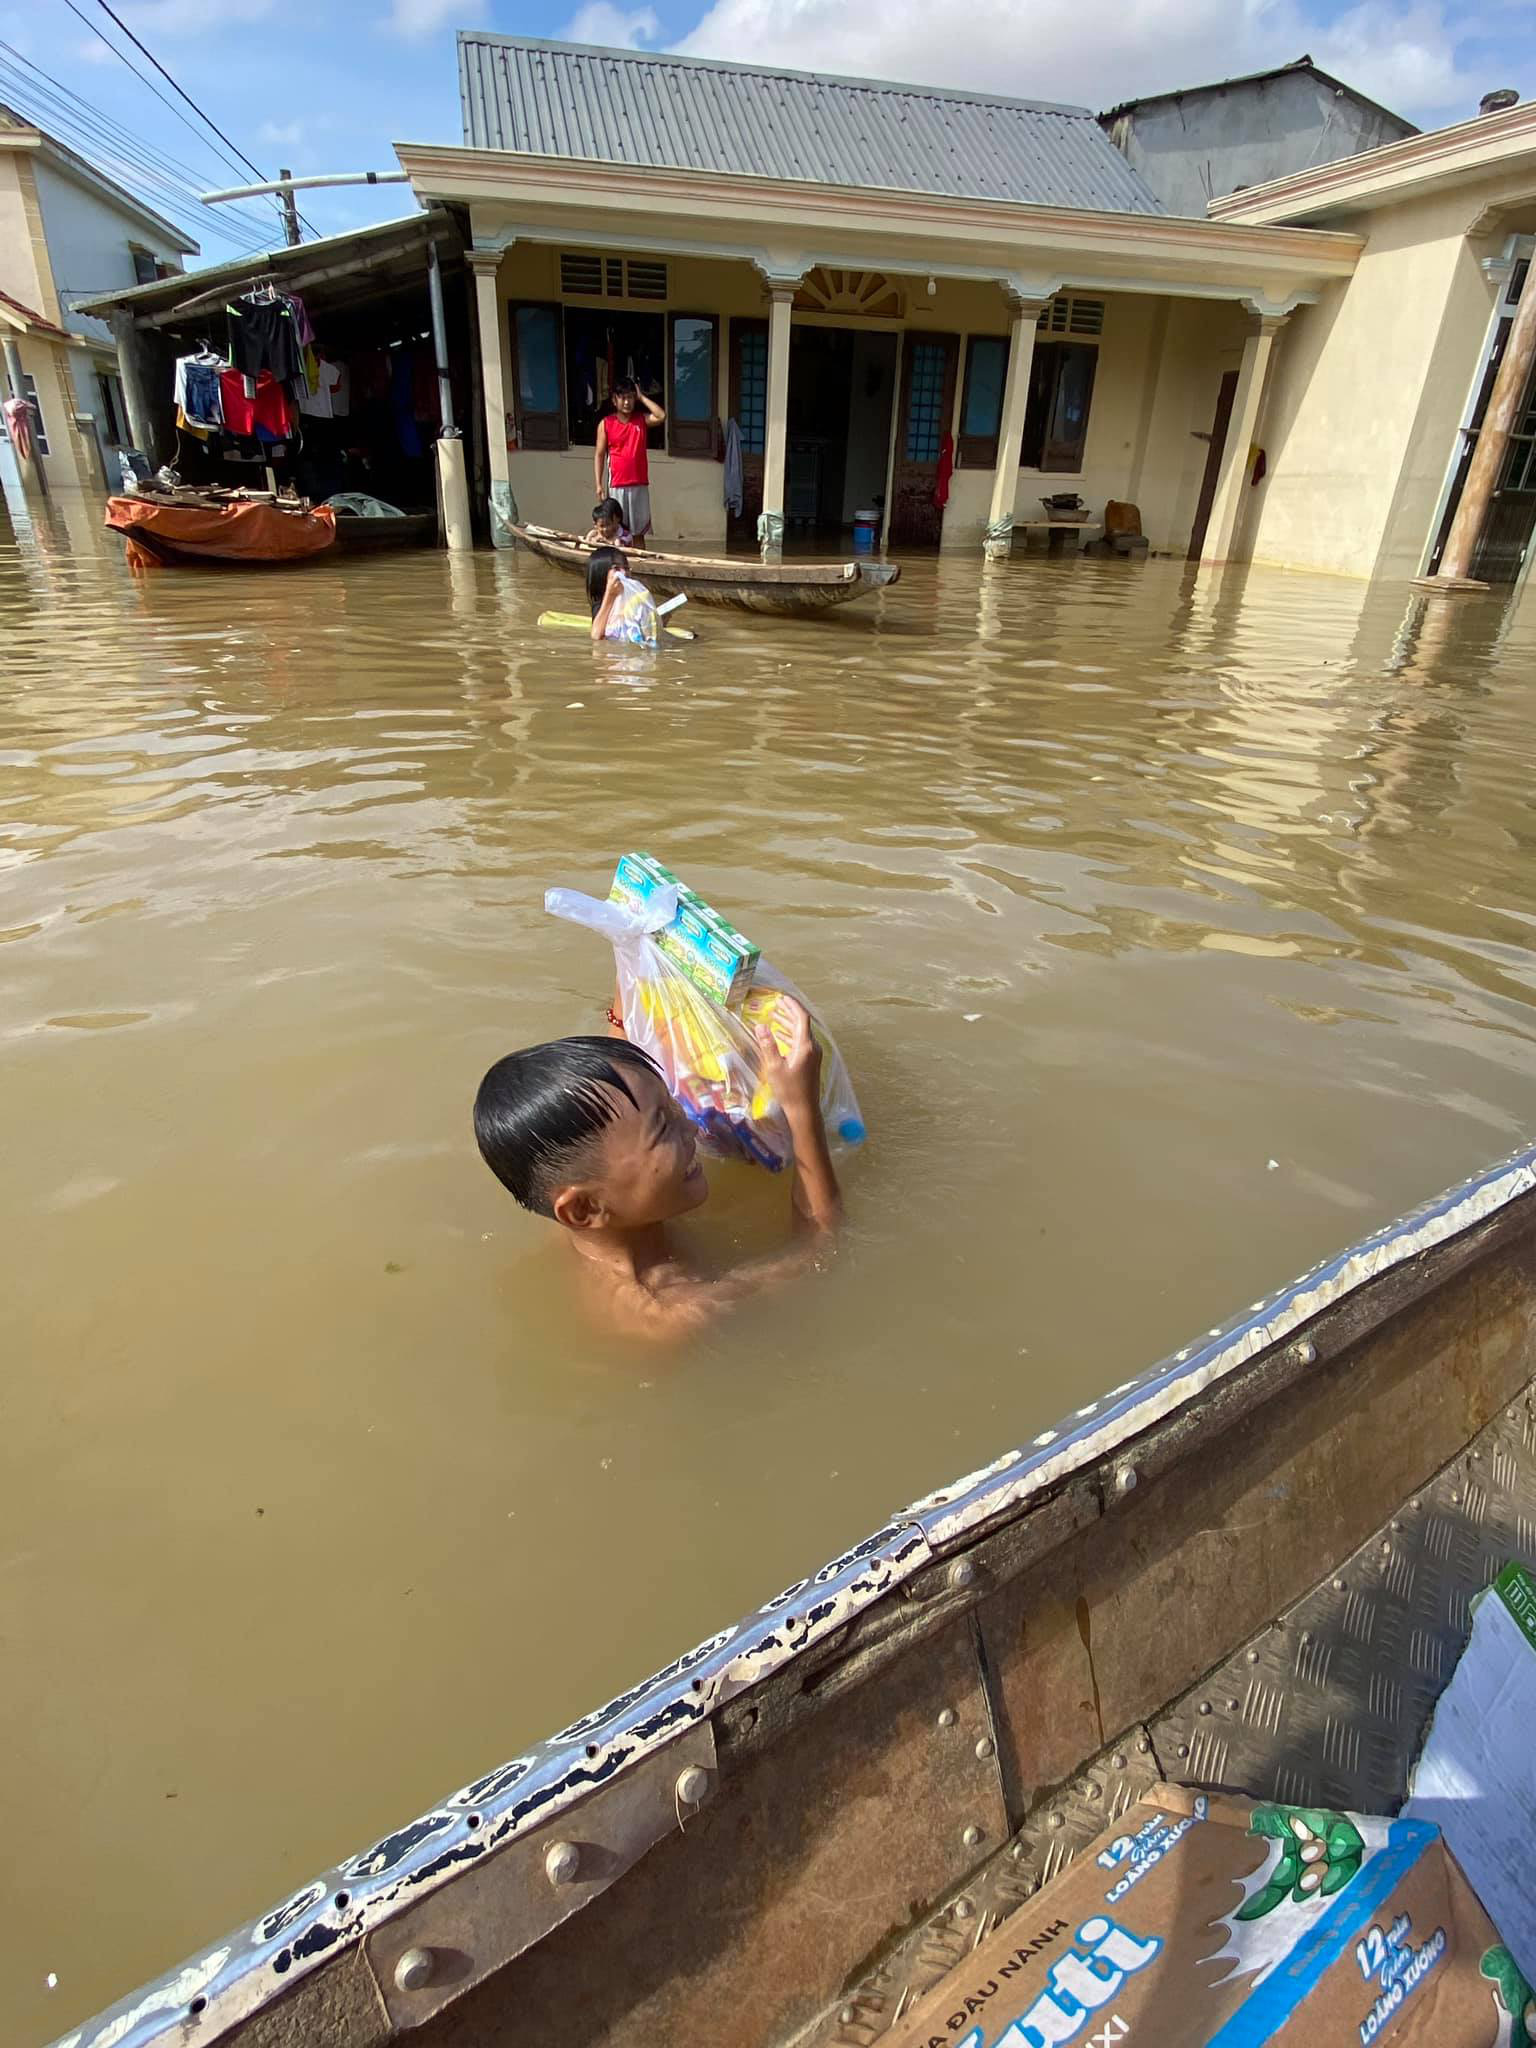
(935, 307)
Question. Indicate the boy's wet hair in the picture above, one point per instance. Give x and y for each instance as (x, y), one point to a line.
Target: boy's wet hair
(599, 562)
(607, 508)
(537, 1110)
(623, 385)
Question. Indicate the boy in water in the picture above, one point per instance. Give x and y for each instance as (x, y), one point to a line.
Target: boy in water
(584, 1131)
(621, 443)
(608, 529)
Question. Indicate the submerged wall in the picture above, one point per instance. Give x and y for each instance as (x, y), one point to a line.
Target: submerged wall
(1368, 389)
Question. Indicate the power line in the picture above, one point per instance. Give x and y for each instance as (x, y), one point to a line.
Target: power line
(94, 133)
(192, 103)
(66, 105)
(149, 84)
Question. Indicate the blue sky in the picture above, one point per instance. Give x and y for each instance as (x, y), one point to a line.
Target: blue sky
(327, 85)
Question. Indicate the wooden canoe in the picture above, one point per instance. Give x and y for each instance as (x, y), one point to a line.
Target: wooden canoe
(708, 579)
(1248, 1567)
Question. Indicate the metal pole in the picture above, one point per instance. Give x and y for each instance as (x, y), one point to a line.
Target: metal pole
(440, 340)
(306, 184)
(19, 390)
(290, 210)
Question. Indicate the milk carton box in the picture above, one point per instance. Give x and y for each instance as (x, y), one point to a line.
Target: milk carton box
(1204, 1920)
(704, 945)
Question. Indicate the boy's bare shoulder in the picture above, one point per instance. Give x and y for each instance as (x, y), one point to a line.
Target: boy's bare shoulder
(669, 1304)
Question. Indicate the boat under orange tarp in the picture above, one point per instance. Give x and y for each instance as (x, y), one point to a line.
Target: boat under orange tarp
(242, 531)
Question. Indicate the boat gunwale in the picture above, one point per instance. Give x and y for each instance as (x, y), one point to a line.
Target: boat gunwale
(240, 1975)
(850, 576)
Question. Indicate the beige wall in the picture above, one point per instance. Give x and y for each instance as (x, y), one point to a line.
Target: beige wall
(1367, 391)
(24, 272)
(1160, 367)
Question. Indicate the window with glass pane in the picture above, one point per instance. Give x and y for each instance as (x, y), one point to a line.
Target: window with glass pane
(1060, 397)
(925, 402)
(692, 406)
(981, 407)
(752, 400)
(536, 348)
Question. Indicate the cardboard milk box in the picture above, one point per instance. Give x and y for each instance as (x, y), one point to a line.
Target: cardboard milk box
(1206, 1920)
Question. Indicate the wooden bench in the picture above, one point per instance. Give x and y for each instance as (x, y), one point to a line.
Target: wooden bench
(1055, 530)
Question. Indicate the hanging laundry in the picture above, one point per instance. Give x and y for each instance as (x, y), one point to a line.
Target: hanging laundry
(946, 471)
(401, 381)
(263, 335)
(269, 408)
(301, 321)
(197, 391)
(734, 482)
(18, 424)
(328, 400)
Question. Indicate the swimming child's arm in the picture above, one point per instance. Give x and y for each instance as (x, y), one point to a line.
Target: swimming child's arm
(604, 611)
(669, 1302)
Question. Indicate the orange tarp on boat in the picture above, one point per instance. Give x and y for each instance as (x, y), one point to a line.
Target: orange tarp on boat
(157, 532)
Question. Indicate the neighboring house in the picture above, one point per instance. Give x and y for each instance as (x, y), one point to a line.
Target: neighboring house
(67, 232)
(873, 281)
(1380, 388)
(1205, 141)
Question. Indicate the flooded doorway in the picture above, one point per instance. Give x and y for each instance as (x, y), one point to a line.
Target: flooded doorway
(842, 383)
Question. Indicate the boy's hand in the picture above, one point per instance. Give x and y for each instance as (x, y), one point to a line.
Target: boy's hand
(793, 1070)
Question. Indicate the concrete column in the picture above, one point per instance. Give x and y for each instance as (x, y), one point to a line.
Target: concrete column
(486, 264)
(1247, 402)
(1010, 432)
(130, 368)
(1504, 403)
(770, 524)
(32, 476)
(453, 493)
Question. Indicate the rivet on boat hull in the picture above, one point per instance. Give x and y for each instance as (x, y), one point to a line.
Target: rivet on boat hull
(692, 1786)
(985, 1747)
(413, 1972)
(562, 1860)
(1306, 1352)
(946, 1717)
(971, 1836)
(962, 1573)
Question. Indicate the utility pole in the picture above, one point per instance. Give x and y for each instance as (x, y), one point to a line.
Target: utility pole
(290, 210)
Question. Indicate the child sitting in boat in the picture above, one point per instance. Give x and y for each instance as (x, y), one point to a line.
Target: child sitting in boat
(583, 1131)
(608, 529)
(622, 607)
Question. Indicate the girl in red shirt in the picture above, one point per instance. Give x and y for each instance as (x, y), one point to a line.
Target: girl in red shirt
(621, 443)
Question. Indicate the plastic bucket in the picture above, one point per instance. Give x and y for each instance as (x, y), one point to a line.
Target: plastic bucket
(866, 532)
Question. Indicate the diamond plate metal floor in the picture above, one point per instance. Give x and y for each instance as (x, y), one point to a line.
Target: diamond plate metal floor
(1326, 1707)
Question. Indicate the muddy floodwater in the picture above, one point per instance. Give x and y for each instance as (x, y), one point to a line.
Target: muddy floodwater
(1177, 931)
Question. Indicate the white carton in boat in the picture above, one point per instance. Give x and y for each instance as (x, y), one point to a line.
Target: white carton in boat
(1205, 1922)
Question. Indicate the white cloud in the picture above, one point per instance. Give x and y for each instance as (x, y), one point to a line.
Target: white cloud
(287, 132)
(1096, 52)
(618, 27)
(417, 19)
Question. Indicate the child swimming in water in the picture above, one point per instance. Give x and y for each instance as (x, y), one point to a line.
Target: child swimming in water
(609, 584)
(583, 1131)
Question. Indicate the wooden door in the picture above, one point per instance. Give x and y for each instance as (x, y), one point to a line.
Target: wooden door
(749, 409)
(1213, 455)
(926, 408)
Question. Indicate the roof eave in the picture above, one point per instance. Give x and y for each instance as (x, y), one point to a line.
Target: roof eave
(770, 211)
(1396, 171)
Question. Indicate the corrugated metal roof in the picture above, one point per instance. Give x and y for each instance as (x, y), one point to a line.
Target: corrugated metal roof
(690, 113)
